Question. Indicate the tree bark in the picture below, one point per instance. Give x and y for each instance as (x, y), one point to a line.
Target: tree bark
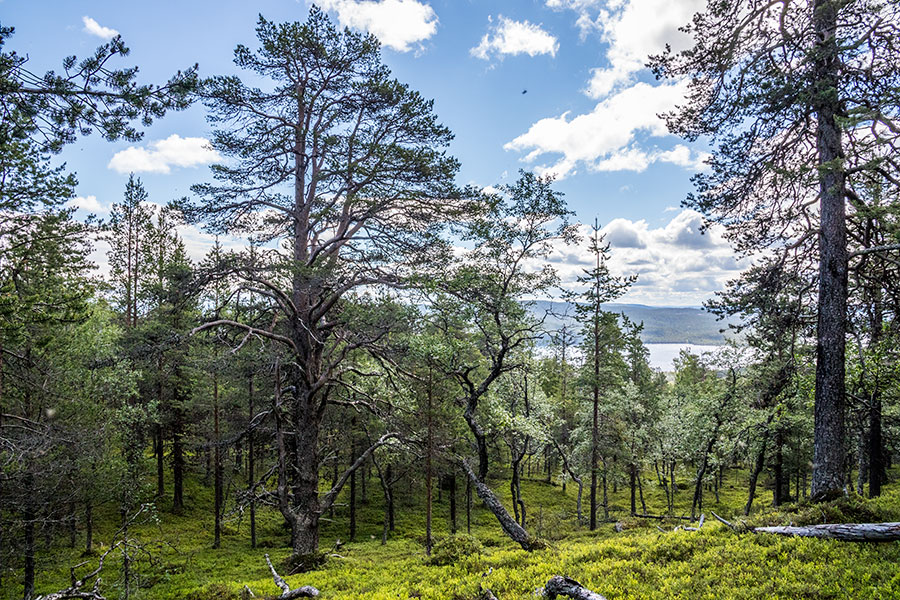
(758, 465)
(515, 531)
(217, 469)
(353, 457)
(251, 465)
(452, 491)
(829, 436)
(428, 470)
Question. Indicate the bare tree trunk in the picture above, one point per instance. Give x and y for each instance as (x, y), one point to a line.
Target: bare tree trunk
(29, 516)
(88, 527)
(353, 457)
(778, 470)
(641, 492)
(468, 506)
(452, 490)
(829, 435)
(390, 489)
(251, 463)
(877, 471)
(219, 491)
(428, 473)
(605, 493)
(758, 464)
(632, 484)
(515, 531)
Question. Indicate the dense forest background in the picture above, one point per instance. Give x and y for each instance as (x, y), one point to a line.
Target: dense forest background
(390, 360)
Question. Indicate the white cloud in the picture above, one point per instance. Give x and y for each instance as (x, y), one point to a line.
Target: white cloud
(605, 139)
(633, 29)
(398, 24)
(515, 37)
(87, 204)
(160, 156)
(676, 264)
(94, 28)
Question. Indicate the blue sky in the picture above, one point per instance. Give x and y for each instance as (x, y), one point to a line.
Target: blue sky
(588, 113)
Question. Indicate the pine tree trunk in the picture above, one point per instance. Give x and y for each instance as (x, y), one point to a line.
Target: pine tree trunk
(468, 506)
(428, 471)
(877, 471)
(390, 488)
(778, 470)
(353, 455)
(452, 491)
(829, 453)
(758, 465)
(217, 533)
(29, 517)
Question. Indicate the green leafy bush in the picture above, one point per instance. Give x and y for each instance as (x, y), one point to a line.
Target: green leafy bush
(451, 549)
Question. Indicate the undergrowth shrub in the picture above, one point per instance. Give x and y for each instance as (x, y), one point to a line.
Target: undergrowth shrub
(451, 549)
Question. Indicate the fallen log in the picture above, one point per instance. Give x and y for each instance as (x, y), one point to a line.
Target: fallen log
(699, 525)
(664, 517)
(724, 522)
(845, 532)
(564, 586)
(307, 591)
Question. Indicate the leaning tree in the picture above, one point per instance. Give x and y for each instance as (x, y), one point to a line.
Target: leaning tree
(341, 172)
(800, 100)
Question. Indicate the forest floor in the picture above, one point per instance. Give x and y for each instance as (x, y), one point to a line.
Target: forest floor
(176, 559)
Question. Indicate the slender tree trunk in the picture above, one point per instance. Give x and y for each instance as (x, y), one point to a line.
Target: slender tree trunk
(452, 490)
(758, 465)
(160, 461)
(390, 497)
(126, 557)
(251, 464)
(778, 470)
(428, 472)
(641, 492)
(875, 450)
(219, 492)
(468, 506)
(88, 526)
(877, 470)
(632, 483)
(178, 461)
(353, 455)
(29, 516)
(829, 453)
(605, 493)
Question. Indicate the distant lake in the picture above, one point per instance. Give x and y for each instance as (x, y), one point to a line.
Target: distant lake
(662, 355)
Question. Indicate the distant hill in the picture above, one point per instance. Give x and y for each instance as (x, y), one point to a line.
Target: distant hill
(662, 324)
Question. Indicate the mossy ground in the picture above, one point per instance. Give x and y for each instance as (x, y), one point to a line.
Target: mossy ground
(638, 562)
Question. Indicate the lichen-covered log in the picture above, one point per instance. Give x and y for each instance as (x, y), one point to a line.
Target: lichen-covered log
(847, 532)
(307, 591)
(564, 586)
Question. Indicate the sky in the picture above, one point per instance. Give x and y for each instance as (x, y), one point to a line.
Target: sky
(554, 86)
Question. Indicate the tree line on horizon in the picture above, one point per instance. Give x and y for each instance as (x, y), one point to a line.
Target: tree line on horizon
(350, 340)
